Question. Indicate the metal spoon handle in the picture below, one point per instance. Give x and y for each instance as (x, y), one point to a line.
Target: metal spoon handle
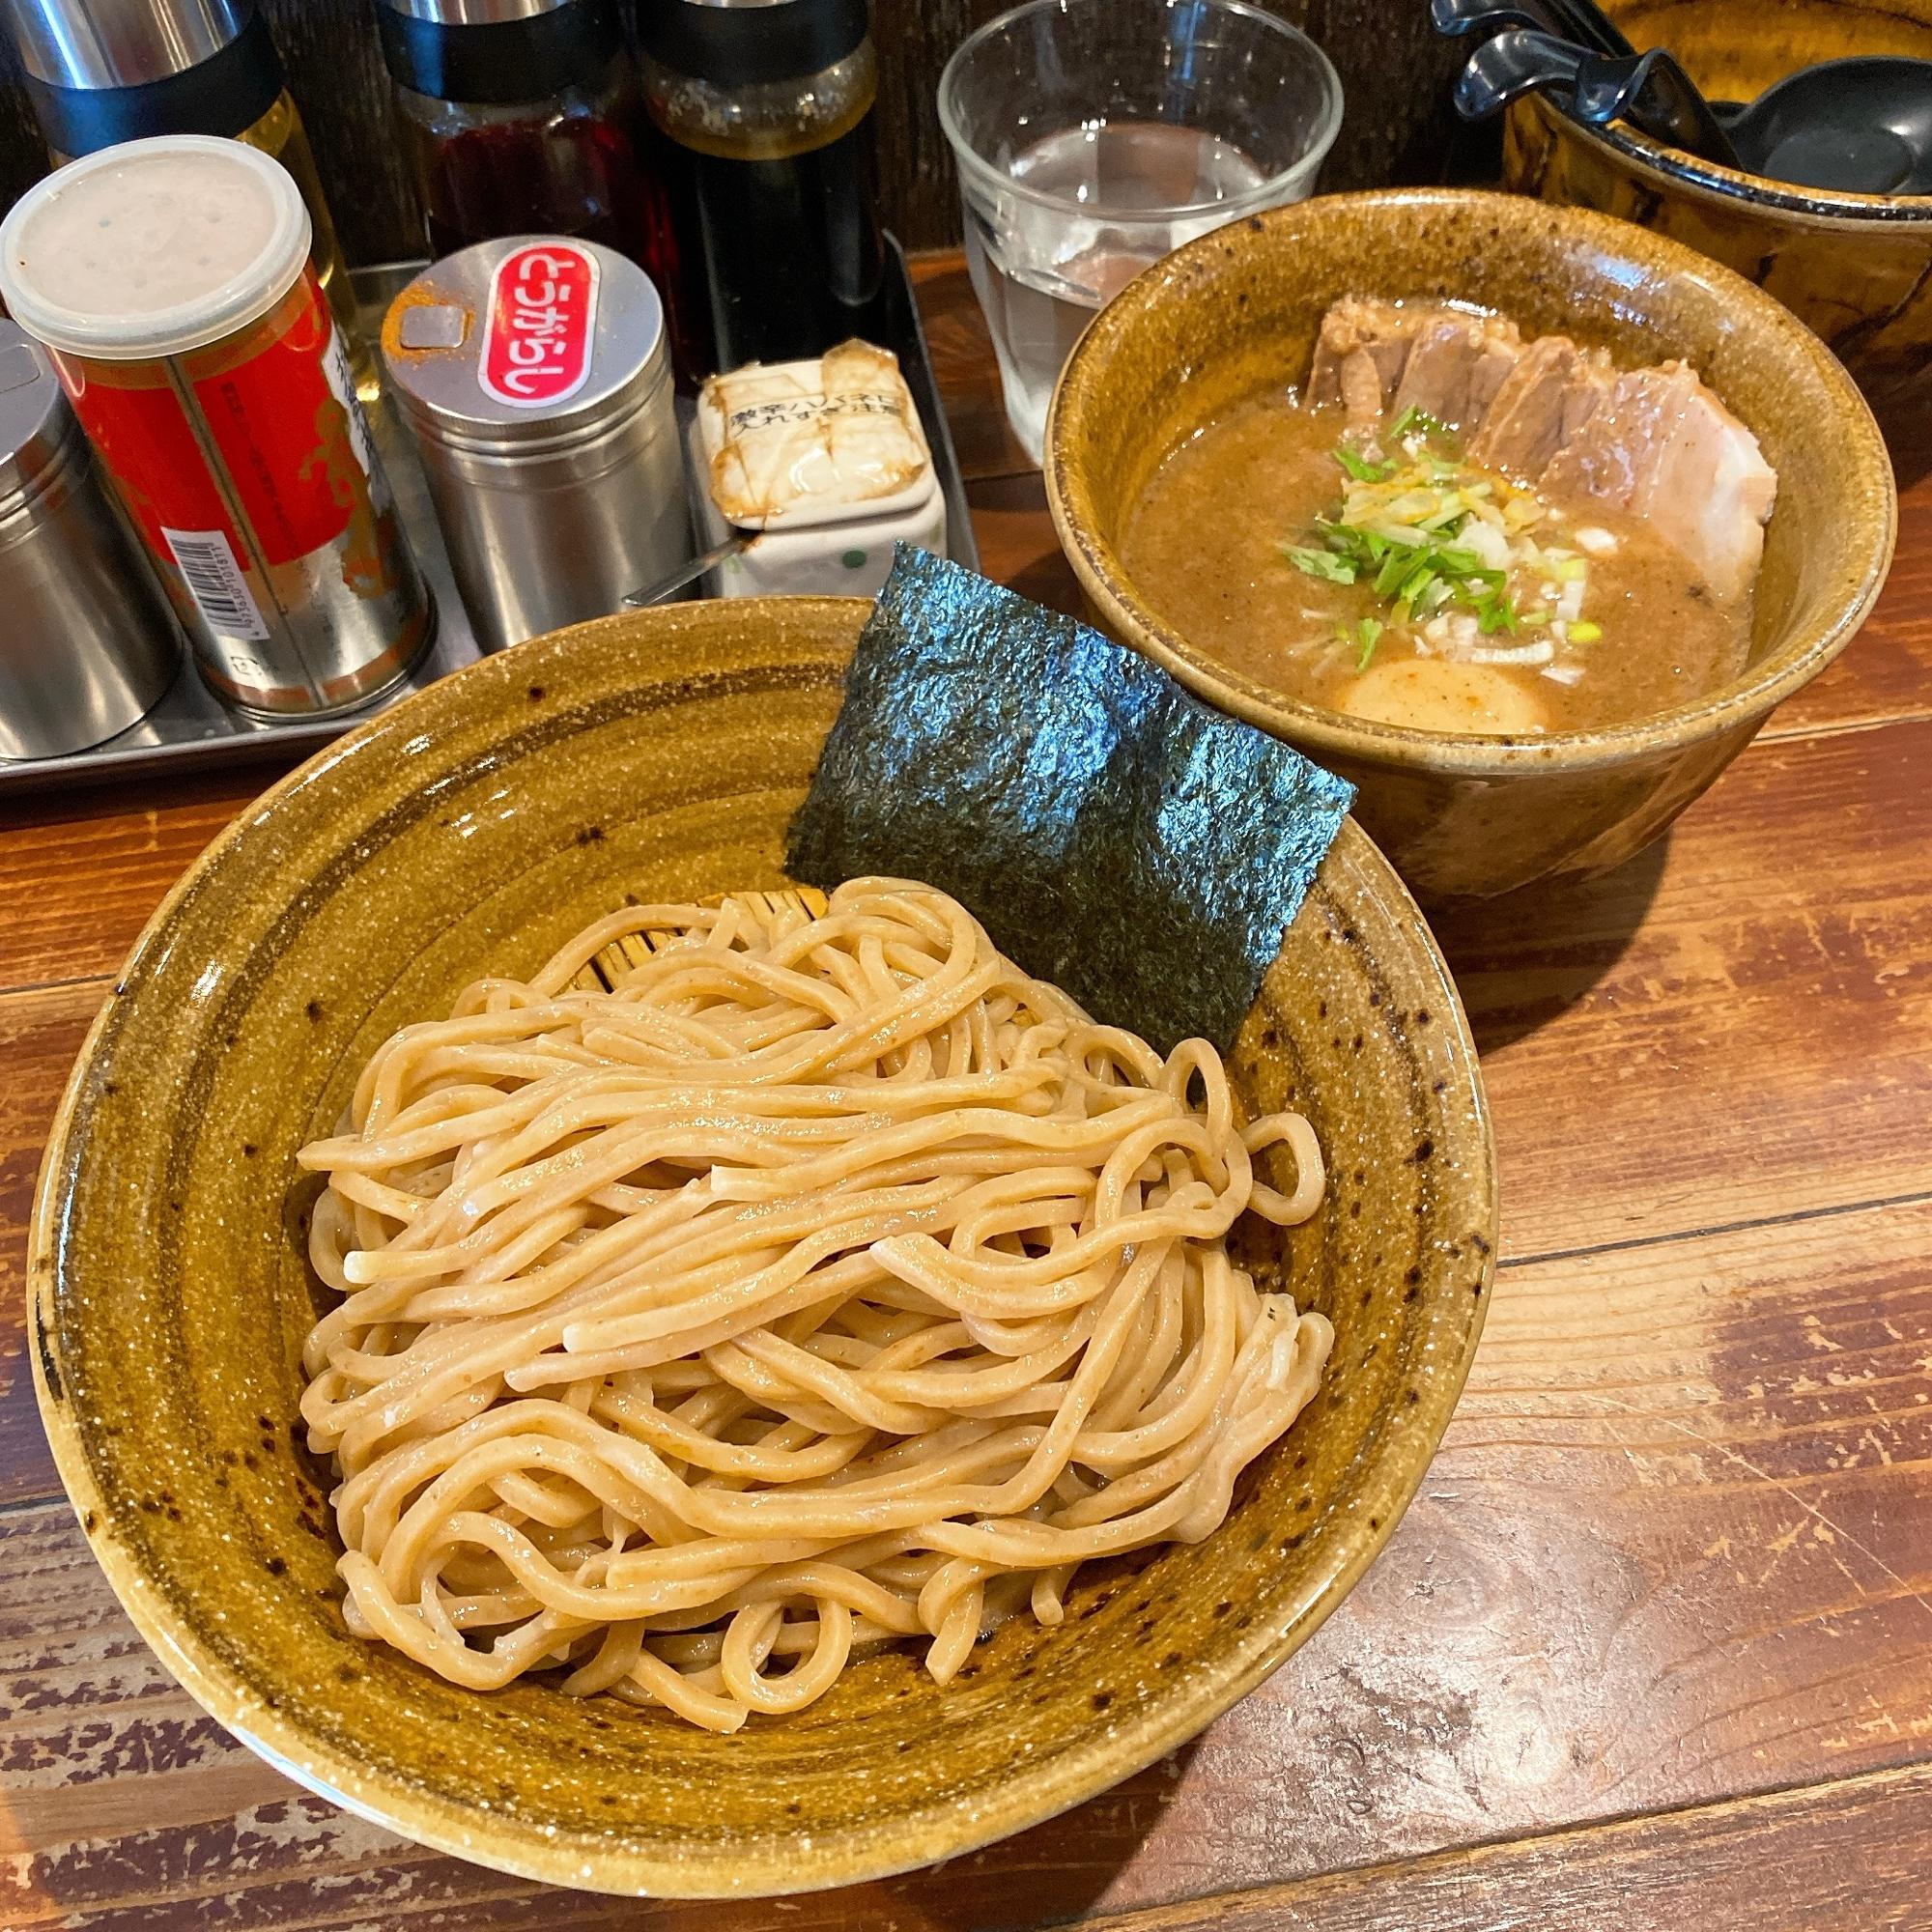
(656, 592)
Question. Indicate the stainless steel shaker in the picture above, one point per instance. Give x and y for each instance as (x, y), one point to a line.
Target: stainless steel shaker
(87, 639)
(534, 374)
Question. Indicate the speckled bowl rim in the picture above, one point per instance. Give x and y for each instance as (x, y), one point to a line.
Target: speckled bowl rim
(1030, 1797)
(1325, 733)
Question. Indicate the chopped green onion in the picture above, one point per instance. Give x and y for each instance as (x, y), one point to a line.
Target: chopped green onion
(1320, 563)
(1404, 527)
(1416, 583)
(1412, 417)
(1572, 570)
(1583, 631)
(1360, 467)
(1395, 567)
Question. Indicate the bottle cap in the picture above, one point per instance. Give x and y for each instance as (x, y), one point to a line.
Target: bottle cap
(105, 71)
(498, 52)
(749, 43)
(122, 42)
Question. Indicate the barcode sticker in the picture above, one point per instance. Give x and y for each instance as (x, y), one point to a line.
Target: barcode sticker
(215, 583)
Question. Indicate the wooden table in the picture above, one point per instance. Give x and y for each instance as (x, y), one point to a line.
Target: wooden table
(1652, 1648)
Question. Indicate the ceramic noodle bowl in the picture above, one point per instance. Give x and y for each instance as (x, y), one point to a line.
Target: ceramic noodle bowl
(475, 828)
(1236, 314)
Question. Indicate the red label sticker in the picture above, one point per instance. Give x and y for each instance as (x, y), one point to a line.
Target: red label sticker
(542, 317)
(275, 409)
(287, 436)
(147, 444)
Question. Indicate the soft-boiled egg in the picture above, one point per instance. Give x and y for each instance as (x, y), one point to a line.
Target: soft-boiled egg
(1434, 694)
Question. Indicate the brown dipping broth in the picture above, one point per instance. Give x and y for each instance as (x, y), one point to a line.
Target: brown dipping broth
(1205, 544)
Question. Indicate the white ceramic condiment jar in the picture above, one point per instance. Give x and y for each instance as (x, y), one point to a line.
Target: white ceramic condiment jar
(822, 467)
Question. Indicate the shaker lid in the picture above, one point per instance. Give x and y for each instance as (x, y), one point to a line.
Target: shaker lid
(36, 425)
(153, 247)
(525, 341)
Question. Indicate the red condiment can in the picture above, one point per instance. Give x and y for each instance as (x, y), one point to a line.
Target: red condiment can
(170, 280)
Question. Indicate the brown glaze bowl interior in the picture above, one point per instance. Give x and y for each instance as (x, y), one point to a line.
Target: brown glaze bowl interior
(1237, 312)
(473, 828)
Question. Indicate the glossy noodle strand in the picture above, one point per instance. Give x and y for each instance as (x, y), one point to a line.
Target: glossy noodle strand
(824, 1281)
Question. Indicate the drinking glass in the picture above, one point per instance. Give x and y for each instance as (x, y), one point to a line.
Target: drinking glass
(1093, 136)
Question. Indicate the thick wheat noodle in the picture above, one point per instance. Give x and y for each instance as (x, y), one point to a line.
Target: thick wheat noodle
(826, 1281)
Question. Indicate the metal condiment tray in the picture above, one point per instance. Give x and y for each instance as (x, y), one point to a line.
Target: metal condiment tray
(190, 726)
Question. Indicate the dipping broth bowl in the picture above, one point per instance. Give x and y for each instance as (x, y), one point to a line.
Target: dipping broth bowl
(473, 828)
(1237, 312)
(1855, 267)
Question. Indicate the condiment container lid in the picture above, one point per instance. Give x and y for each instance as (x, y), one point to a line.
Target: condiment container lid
(153, 247)
(523, 344)
(37, 428)
(81, 44)
(829, 440)
(499, 52)
(752, 42)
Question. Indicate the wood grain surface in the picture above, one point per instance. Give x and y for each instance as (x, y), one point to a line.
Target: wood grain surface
(1652, 1649)
(1395, 76)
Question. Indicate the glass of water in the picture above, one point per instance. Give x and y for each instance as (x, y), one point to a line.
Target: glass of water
(1093, 136)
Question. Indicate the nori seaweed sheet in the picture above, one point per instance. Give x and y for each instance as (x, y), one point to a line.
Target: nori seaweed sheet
(1112, 832)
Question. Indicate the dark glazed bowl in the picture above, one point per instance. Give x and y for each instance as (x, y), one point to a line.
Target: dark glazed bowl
(1855, 267)
(1236, 312)
(473, 828)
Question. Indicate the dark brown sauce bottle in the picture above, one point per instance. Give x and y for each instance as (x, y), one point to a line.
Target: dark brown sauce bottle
(522, 117)
(770, 101)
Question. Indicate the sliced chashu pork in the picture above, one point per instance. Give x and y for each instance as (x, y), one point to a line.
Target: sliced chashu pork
(1662, 446)
(1456, 367)
(1376, 356)
(1548, 397)
(1359, 355)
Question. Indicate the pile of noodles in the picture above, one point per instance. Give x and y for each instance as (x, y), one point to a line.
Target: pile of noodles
(824, 1281)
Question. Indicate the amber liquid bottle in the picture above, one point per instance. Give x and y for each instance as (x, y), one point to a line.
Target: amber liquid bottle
(770, 104)
(100, 71)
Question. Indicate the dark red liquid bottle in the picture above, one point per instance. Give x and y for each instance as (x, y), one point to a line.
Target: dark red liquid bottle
(522, 117)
